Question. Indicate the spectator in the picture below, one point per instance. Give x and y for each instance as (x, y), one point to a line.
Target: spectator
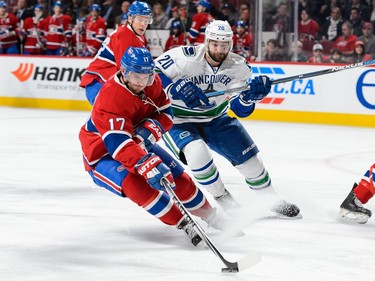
(280, 24)
(336, 56)
(22, 11)
(8, 27)
(227, 14)
(346, 41)
(371, 16)
(273, 52)
(368, 38)
(298, 54)
(32, 30)
(242, 40)
(177, 36)
(110, 10)
(331, 28)
(359, 53)
(58, 32)
(307, 27)
(124, 9)
(175, 17)
(159, 18)
(356, 20)
(184, 17)
(318, 56)
(360, 5)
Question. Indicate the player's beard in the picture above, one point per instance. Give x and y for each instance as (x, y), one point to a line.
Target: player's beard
(218, 57)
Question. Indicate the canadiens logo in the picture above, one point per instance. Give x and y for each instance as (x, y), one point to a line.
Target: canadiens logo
(120, 168)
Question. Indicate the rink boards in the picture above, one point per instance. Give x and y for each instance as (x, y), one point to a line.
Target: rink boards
(343, 98)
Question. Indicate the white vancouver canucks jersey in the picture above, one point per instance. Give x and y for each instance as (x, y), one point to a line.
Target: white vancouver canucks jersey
(188, 62)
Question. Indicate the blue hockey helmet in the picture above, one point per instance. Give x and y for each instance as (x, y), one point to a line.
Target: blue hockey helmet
(176, 25)
(38, 7)
(57, 4)
(241, 23)
(95, 7)
(124, 17)
(139, 8)
(3, 4)
(205, 3)
(138, 60)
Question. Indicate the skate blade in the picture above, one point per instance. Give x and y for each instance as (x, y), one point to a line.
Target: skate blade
(354, 216)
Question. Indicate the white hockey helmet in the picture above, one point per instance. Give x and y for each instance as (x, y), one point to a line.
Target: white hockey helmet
(219, 30)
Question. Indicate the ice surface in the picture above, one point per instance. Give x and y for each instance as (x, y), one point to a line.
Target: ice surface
(55, 226)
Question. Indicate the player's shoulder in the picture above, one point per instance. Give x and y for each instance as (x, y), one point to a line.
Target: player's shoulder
(182, 52)
(238, 62)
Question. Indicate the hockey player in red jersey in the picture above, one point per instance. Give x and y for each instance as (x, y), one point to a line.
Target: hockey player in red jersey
(199, 22)
(32, 31)
(361, 193)
(177, 37)
(8, 27)
(130, 114)
(242, 40)
(96, 31)
(58, 32)
(107, 61)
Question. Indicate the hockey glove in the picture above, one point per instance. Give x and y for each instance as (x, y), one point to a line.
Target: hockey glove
(260, 86)
(149, 133)
(189, 93)
(152, 168)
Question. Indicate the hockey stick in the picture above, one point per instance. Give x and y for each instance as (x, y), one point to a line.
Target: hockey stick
(296, 77)
(231, 267)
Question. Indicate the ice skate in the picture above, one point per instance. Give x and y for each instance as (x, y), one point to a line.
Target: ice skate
(352, 209)
(187, 226)
(226, 201)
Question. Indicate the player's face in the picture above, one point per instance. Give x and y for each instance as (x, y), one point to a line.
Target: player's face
(240, 30)
(38, 13)
(139, 24)
(57, 10)
(94, 14)
(2, 11)
(218, 51)
(137, 82)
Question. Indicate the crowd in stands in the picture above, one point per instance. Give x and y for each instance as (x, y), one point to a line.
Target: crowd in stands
(335, 31)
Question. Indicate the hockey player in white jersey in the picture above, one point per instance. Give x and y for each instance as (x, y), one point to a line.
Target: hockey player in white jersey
(201, 124)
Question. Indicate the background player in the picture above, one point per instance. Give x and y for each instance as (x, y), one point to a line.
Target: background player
(201, 124)
(96, 31)
(352, 208)
(199, 22)
(128, 106)
(107, 61)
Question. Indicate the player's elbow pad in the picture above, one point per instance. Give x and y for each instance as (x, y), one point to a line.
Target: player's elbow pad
(240, 108)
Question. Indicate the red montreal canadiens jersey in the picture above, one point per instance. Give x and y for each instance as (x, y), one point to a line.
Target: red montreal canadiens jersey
(115, 113)
(34, 34)
(107, 61)
(242, 44)
(8, 24)
(96, 32)
(198, 27)
(58, 31)
(174, 41)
